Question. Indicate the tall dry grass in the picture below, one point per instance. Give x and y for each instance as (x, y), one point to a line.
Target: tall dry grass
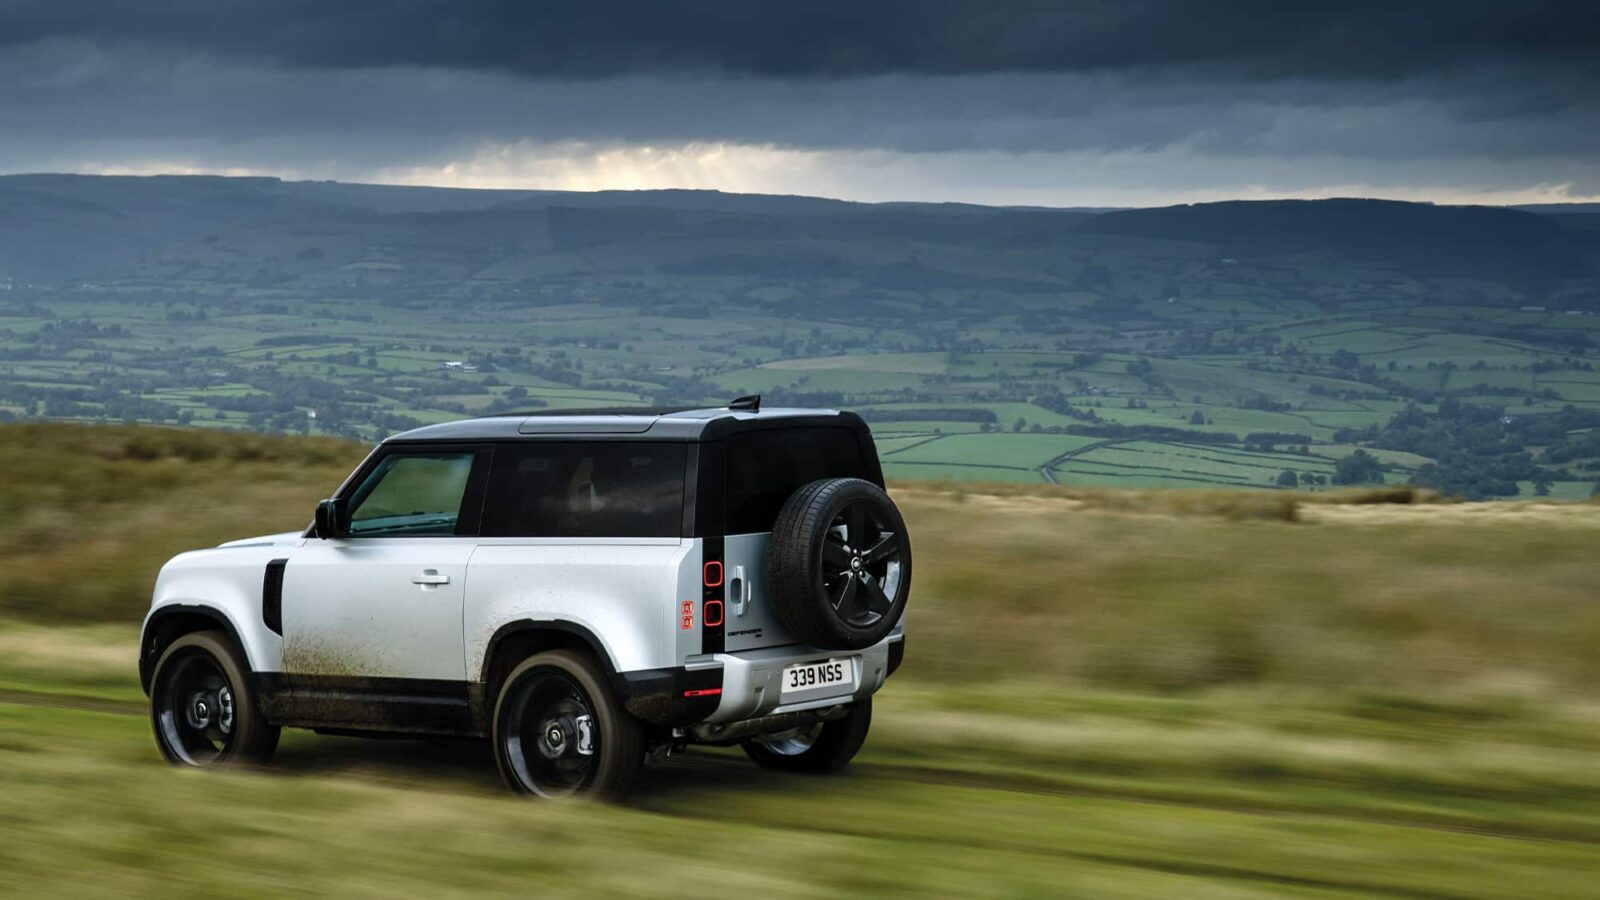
(1031, 585)
(1164, 590)
(89, 513)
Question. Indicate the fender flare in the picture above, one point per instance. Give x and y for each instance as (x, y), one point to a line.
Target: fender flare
(147, 648)
(562, 625)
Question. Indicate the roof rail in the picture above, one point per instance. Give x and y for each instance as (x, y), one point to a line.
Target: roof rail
(595, 411)
(752, 403)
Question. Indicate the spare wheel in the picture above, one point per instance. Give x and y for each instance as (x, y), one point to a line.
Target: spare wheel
(839, 567)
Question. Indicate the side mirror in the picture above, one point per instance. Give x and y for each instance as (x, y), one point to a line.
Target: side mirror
(329, 522)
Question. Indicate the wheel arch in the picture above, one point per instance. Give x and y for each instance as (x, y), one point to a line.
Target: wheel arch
(168, 623)
(515, 641)
(654, 696)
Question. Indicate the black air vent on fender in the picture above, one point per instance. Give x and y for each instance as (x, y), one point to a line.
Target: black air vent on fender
(272, 596)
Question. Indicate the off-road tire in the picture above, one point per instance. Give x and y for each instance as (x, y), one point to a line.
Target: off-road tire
(251, 739)
(834, 746)
(795, 565)
(620, 750)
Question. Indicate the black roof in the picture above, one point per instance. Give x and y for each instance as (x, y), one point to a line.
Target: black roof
(671, 424)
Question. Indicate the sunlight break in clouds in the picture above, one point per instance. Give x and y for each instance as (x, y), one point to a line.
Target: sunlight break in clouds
(577, 166)
(169, 167)
(987, 177)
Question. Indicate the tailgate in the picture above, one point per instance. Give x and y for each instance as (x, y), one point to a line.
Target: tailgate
(751, 622)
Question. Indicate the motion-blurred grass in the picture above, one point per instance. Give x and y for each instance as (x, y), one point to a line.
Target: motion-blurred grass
(1164, 590)
(1446, 600)
(91, 512)
(1105, 694)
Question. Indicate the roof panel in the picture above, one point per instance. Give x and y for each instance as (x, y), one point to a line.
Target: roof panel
(677, 424)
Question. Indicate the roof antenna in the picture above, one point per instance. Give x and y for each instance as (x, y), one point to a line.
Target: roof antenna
(751, 403)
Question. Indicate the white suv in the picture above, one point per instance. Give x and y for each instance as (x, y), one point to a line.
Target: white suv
(582, 588)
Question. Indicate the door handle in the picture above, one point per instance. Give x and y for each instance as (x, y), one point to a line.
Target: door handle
(430, 576)
(741, 591)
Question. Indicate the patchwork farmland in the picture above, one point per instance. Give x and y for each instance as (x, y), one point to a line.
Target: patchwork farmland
(982, 345)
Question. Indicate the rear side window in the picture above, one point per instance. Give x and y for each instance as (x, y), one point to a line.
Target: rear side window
(765, 467)
(600, 489)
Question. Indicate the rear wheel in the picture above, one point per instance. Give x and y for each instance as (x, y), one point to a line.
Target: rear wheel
(820, 749)
(560, 732)
(203, 707)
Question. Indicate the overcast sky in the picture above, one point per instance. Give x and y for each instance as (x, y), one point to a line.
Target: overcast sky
(1116, 103)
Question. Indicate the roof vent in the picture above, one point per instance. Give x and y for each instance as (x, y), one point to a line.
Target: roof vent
(751, 403)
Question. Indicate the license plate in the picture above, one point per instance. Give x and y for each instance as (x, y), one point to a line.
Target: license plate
(836, 676)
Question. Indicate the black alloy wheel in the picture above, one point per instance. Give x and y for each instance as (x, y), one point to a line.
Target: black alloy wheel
(551, 742)
(196, 709)
(560, 732)
(202, 705)
(861, 564)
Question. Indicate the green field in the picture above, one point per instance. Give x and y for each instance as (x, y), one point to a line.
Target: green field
(1025, 333)
(1153, 463)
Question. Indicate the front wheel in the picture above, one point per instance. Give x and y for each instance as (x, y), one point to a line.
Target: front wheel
(820, 749)
(560, 732)
(203, 707)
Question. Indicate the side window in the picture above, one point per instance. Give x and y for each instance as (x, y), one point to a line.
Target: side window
(411, 494)
(598, 489)
(765, 467)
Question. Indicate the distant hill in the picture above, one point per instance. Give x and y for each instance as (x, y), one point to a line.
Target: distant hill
(66, 227)
(62, 228)
(1561, 208)
(1424, 239)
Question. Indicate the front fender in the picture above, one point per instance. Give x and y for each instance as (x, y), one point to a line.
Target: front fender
(224, 585)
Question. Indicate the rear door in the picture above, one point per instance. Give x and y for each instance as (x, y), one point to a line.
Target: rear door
(763, 469)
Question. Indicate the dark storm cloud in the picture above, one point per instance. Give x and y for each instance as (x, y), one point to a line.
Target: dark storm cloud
(1245, 39)
(961, 98)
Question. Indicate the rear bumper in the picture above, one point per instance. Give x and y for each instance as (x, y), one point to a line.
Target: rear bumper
(731, 687)
(751, 678)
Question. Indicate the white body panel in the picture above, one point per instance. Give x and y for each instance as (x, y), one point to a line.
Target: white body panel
(624, 591)
(227, 579)
(350, 606)
(376, 606)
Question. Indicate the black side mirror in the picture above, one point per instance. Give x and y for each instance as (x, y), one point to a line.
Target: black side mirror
(329, 522)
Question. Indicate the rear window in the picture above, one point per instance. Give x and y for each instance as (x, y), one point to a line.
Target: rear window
(600, 489)
(765, 467)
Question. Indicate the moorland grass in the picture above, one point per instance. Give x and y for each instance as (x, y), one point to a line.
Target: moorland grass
(1164, 590)
(1106, 693)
